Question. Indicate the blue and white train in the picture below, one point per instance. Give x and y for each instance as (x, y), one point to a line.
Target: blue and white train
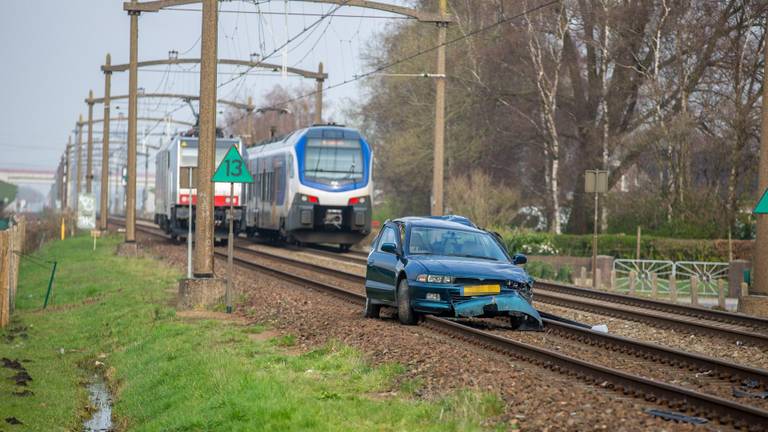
(311, 186)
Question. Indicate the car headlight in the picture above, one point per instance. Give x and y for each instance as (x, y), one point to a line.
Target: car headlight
(434, 279)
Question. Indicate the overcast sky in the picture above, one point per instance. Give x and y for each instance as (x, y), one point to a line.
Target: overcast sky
(51, 51)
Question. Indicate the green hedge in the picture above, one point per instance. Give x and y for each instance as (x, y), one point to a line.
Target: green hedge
(616, 245)
(542, 270)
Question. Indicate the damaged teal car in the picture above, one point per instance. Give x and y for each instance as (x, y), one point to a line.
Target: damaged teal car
(446, 267)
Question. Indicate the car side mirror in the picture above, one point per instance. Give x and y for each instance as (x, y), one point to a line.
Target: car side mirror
(389, 248)
(519, 259)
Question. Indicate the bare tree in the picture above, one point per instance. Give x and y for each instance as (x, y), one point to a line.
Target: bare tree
(546, 59)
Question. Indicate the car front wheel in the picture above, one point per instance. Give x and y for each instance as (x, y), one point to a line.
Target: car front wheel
(405, 313)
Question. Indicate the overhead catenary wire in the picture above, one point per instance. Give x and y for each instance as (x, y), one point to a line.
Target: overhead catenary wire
(409, 57)
(291, 39)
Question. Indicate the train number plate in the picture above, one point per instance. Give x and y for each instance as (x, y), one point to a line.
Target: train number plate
(472, 290)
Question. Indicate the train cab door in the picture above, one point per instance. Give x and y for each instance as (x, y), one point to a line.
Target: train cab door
(380, 277)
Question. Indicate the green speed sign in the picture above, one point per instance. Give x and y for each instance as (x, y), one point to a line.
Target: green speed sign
(232, 169)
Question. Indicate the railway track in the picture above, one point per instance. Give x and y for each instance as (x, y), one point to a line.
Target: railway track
(545, 295)
(559, 294)
(674, 397)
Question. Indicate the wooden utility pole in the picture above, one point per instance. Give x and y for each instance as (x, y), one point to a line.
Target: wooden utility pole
(439, 150)
(760, 258)
(89, 154)
(104, 201)
(133, 80)
(203, 265)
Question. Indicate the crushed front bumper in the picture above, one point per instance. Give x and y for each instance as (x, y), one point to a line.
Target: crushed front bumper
(497, 305)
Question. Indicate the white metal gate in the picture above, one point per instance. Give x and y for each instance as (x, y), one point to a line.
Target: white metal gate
(644, 271)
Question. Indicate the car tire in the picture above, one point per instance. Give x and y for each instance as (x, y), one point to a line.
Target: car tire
(371, 310)
(405, 313)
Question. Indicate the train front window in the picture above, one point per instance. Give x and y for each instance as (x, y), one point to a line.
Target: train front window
(222, 147)
(335, 162)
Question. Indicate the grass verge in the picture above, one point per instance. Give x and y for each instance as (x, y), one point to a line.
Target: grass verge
(173, 374)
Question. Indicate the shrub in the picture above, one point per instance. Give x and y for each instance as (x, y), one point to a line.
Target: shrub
(485, 201)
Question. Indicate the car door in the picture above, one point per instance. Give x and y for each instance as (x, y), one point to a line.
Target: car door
(380, 271)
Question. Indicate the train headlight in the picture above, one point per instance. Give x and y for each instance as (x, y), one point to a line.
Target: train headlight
(358, 200)
(310, 199)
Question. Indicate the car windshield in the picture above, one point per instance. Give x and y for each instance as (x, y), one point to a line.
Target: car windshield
(453, 242)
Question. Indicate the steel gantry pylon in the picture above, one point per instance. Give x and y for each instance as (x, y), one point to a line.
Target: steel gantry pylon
(108, 68)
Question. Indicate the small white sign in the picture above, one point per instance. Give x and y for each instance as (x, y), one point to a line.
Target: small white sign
(86, 211)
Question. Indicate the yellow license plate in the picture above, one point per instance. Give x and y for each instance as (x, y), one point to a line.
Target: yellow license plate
(472, 290)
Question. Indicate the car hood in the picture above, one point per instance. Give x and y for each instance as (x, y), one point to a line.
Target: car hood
(470, 268)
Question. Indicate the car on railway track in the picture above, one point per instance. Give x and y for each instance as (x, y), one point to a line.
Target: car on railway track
(446, 267)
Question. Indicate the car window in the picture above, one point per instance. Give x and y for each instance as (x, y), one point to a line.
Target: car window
(388, 236)
(450, 242)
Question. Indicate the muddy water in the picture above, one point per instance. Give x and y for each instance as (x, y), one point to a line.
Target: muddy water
(101, 400)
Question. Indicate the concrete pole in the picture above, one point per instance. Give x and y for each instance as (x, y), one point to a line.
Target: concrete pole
(439, 151)
(760, 258)
(594, 237)
(319, 96)
(203, 262)
(133, 79)
(79, 167)
(104, 201)
(89, 156)
(67, 176)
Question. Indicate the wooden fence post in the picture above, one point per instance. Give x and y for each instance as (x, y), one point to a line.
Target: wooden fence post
(654, 285)
(4, 272)
(694, 290)
(583, 277)
(672, 288)
(13, 234)
(721, 293)
(612, 286)
(632, 282)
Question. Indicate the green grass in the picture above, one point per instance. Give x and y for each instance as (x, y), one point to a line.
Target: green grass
(173, 374)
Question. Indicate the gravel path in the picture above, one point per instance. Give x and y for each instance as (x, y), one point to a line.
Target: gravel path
(535, 399)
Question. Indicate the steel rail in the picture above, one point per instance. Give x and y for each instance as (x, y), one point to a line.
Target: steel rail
(541, 294)
(675, 397)
(748, 321)
(650, 317)
(725, 370)
(732, 372)
(678, 309)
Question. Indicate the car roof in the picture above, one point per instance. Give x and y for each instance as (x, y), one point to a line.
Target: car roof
(447, 223)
